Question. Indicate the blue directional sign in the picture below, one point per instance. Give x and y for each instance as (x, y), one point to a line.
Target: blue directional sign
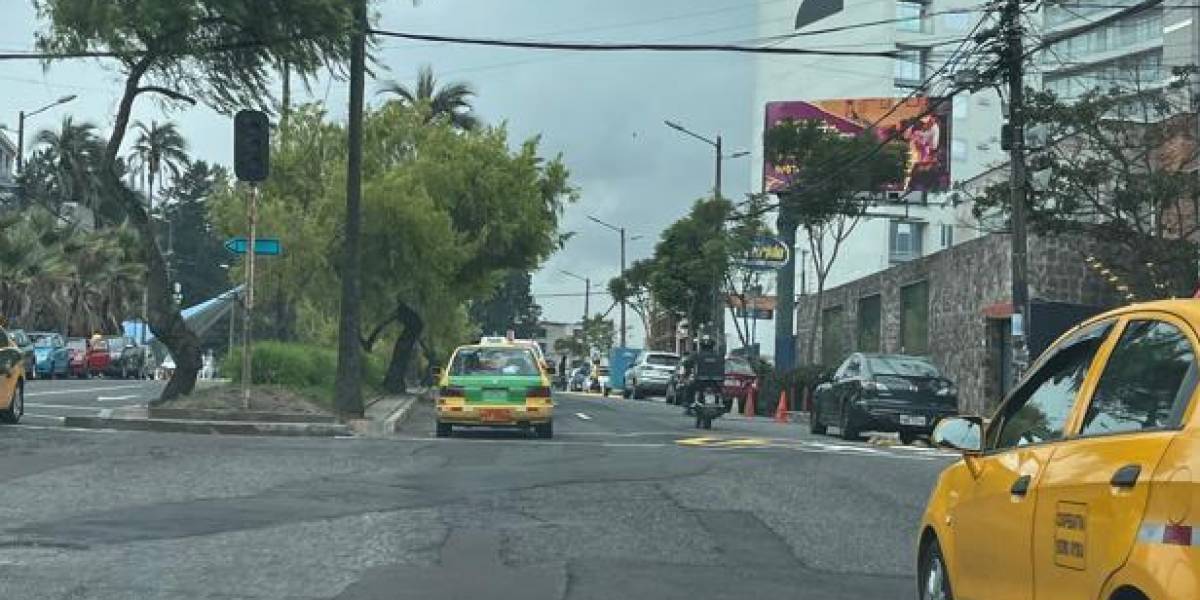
(262, 246)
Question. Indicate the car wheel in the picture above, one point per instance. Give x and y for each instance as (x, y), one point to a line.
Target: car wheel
(638, 394)
(847, 426)
(815, 426)
(908, 437)
(544, 431)
(444, 429)
(16, 406)
(625, 393)
(124, 372)
(708, 422)
(934, 580)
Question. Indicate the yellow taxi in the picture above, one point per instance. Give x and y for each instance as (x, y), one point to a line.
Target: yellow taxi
(495, 383)
(1085, 484)
(12, 380)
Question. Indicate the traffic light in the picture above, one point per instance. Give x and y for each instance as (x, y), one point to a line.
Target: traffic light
(251, 145)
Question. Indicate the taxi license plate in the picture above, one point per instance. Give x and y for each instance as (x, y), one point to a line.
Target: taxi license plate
(912, 420)
(495, 415)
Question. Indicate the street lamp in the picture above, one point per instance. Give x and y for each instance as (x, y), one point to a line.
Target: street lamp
(587, 290)
(620, 230)
(21, 127)
(718, 302)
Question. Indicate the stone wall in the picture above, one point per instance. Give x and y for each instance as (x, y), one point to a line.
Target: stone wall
(969, 294)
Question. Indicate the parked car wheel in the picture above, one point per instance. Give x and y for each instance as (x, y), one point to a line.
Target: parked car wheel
(625, 392)
(815, 426)
(846, 425)
(908, 437)
(16, 407)
(638, 394)
(934, 580)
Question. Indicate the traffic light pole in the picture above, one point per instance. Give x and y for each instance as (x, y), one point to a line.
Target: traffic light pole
(247, 360)
(1017, 186)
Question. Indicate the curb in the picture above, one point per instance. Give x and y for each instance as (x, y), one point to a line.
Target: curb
(398, 417)
(42, 420)
(210, 414)
(209, 427)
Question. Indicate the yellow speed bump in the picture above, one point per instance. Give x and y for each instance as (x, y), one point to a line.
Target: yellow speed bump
(714, 442)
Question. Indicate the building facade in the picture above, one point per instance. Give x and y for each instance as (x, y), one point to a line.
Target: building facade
(955, 307)
(8, 162)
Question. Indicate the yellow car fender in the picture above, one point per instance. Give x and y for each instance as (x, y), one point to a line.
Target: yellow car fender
(939, 514)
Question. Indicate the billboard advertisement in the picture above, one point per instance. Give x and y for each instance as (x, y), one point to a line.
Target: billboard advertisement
(921, 125)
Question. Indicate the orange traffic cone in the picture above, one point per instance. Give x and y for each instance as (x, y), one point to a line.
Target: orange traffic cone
(750, 403)
(782, 410)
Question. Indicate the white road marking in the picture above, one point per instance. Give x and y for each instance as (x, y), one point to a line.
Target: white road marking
(583, 416)
(84, 390)
(115, 398)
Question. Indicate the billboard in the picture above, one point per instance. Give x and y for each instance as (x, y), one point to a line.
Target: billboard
(920, 124)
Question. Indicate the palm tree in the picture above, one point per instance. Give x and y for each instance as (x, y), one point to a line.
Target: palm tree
(74, 151)
(158, 150)
(451, 101)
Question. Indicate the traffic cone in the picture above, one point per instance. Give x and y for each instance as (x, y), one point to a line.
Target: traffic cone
(750, 404)
(782, 410)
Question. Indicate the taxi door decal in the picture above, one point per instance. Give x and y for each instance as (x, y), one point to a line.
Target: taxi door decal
(1070, 535)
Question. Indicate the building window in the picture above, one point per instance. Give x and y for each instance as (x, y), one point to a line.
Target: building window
(961, 102)
(904, 241)
(909, 67)
(909, 16)
(947, 235)
(870, 323)
(958, 149)
(956, 22)
(832, 336)
(914, 319)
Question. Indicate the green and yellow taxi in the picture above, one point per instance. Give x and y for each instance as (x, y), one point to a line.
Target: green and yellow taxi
(496, 383)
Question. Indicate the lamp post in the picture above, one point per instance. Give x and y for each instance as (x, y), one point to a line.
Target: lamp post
(621, 231)
(587, 290)
(718, 301)
(21, 116)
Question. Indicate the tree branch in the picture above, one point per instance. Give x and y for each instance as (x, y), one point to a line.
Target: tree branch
(172, 94)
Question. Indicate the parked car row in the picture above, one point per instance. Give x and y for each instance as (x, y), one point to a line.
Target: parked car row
(50, 355)
(589, 377)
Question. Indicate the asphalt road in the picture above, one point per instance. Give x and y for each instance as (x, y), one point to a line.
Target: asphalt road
(49, 399)
(627, 501)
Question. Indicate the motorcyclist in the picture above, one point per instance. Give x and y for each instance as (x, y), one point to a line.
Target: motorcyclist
(704, 368)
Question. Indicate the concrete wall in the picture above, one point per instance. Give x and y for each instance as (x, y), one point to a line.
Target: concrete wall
(969, 300)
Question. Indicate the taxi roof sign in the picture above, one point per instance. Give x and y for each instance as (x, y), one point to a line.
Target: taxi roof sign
(493, 340)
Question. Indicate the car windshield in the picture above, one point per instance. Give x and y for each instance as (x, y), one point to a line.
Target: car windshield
(493, 361)
(906, 366)
(43, 341)
(667, 360)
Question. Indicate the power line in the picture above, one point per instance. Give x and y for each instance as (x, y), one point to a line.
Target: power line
(625, 47)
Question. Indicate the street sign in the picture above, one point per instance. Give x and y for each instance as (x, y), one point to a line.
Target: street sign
(765, 254)
(262, 246)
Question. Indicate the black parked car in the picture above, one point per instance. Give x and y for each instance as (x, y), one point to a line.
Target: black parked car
(884, 392)
(128, 360)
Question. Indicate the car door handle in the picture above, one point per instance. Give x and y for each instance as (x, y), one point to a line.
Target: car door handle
(1126, 476)
(1020, 487)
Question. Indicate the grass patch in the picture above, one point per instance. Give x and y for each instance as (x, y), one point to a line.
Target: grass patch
(304, 369)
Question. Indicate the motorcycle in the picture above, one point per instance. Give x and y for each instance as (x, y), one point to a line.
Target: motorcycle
(707, 402)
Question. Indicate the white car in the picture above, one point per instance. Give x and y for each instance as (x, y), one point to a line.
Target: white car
(650, 374)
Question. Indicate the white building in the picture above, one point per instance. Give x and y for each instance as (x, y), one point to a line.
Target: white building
(8, 161)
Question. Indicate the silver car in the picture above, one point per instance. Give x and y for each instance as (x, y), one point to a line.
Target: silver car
(650, 374)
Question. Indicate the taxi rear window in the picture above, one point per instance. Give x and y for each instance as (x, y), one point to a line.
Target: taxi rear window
(493, 361)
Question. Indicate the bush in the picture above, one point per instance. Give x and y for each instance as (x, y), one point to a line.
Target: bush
(298, 366)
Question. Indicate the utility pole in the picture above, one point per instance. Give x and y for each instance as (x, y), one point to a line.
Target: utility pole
(348, 384)
(1016, 184)
(247, 318)
(623, 302)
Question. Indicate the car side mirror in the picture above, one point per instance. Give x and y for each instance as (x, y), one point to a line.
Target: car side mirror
(964, 434)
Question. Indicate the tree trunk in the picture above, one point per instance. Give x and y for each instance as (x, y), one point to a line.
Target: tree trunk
(402, 352)
(818, 301)
(164, 319)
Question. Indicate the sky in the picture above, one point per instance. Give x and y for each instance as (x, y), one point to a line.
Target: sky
(603, 112)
